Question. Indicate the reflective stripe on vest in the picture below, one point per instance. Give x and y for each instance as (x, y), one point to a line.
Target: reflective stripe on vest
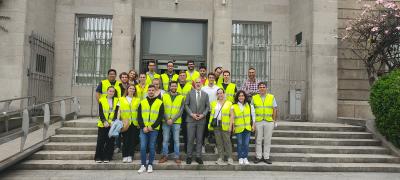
(225, 112)
(106, 83)
(264, 109)
(107, 112)
(172, 108)
(149, 80)
(129, 111)
(165, 80)
(242, 118)
(150, 114)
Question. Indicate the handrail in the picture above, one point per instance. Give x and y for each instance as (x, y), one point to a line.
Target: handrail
(13, 99)
(8, 102)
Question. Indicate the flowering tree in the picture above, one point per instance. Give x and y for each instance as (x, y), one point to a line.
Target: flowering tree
(374, 37)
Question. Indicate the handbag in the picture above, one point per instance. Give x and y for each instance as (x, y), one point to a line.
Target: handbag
(214, 121)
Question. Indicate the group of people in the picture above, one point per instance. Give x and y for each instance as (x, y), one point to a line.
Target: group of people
(155, 106)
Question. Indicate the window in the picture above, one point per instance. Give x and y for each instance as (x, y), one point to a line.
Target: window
(93, 44)
(251, 48)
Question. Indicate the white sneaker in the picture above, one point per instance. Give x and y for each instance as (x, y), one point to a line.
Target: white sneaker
(129, 159)
(106, 161)
(220, 162)
(246, 161)
(142, 169)
(150, 169)
(241, 161)
(98, 161)
(124, 159)
(230, 161)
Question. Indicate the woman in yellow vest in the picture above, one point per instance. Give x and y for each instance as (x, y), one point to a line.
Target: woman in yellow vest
(108, 112)
(142, 87)
(242, 114)
(221, 124)
(128, 114)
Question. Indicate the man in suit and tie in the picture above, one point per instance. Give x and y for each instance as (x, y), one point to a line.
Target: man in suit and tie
(197, 107)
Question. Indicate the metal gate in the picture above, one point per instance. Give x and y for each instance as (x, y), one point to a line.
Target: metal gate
(40, 70)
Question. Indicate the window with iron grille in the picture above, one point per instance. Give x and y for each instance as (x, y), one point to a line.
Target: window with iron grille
(93, 44)
(250, 48)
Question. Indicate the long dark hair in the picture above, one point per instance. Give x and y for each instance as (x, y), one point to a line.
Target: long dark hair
(246, 98)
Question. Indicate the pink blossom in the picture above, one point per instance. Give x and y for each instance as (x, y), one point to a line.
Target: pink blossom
(379, 1)
(398, 28)
(386, 31)
(348, 28)
(375, 29)
(390, 5)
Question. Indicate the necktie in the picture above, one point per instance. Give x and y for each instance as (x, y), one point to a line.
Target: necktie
(198, 99)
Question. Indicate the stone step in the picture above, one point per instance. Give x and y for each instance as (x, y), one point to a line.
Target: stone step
(276, 133)
(275, 140)
(278, 157)
(91, 146)
(282, 125)
(210, 165)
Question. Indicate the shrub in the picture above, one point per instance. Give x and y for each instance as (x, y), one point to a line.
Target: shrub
(385, 105)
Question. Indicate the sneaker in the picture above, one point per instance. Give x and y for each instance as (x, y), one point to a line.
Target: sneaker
(106, 161)
(188, 160)
(220, 162)
(257, 160)
(116, 150)
(246, 161)
(178, 161)
(199, 161)
(163, 159)
(98, 161)
(230, 161)
(125, 159)
(129, 159)
(142, 169)
(150, 168)
(241, 161)
(268, 161)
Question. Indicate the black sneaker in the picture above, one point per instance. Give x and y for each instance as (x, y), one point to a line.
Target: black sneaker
(199, 160)
(188, 160)
(257, 160)
(268, 161)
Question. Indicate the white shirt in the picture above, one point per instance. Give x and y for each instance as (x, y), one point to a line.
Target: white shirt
(217, 114)
(211, 91)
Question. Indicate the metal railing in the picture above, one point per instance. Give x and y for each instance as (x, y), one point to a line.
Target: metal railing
(58, 108)
(7, 112)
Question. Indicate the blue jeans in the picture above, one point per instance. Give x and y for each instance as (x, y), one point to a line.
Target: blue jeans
(148, 139)
(166, 132)
(243, 140)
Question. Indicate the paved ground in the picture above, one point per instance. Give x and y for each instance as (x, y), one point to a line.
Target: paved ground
(189, 175)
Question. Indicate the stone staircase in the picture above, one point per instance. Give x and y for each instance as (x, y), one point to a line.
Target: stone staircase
(296, 146)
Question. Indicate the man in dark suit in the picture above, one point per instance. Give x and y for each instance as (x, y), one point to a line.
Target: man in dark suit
(197, 107)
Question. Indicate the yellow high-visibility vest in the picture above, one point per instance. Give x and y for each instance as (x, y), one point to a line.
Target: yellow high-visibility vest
(229, 91)
(108, 112)
(129, 110)
(149, 80)
(225, 115)
(242, 118)
(185, 90)
(194, 76)
(106, 83)
(141, 92)
(150, 114)
(171, 108)
(264, 110)
(165, 80)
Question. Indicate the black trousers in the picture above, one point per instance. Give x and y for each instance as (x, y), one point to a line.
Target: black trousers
(104, 146)
(130, 141)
